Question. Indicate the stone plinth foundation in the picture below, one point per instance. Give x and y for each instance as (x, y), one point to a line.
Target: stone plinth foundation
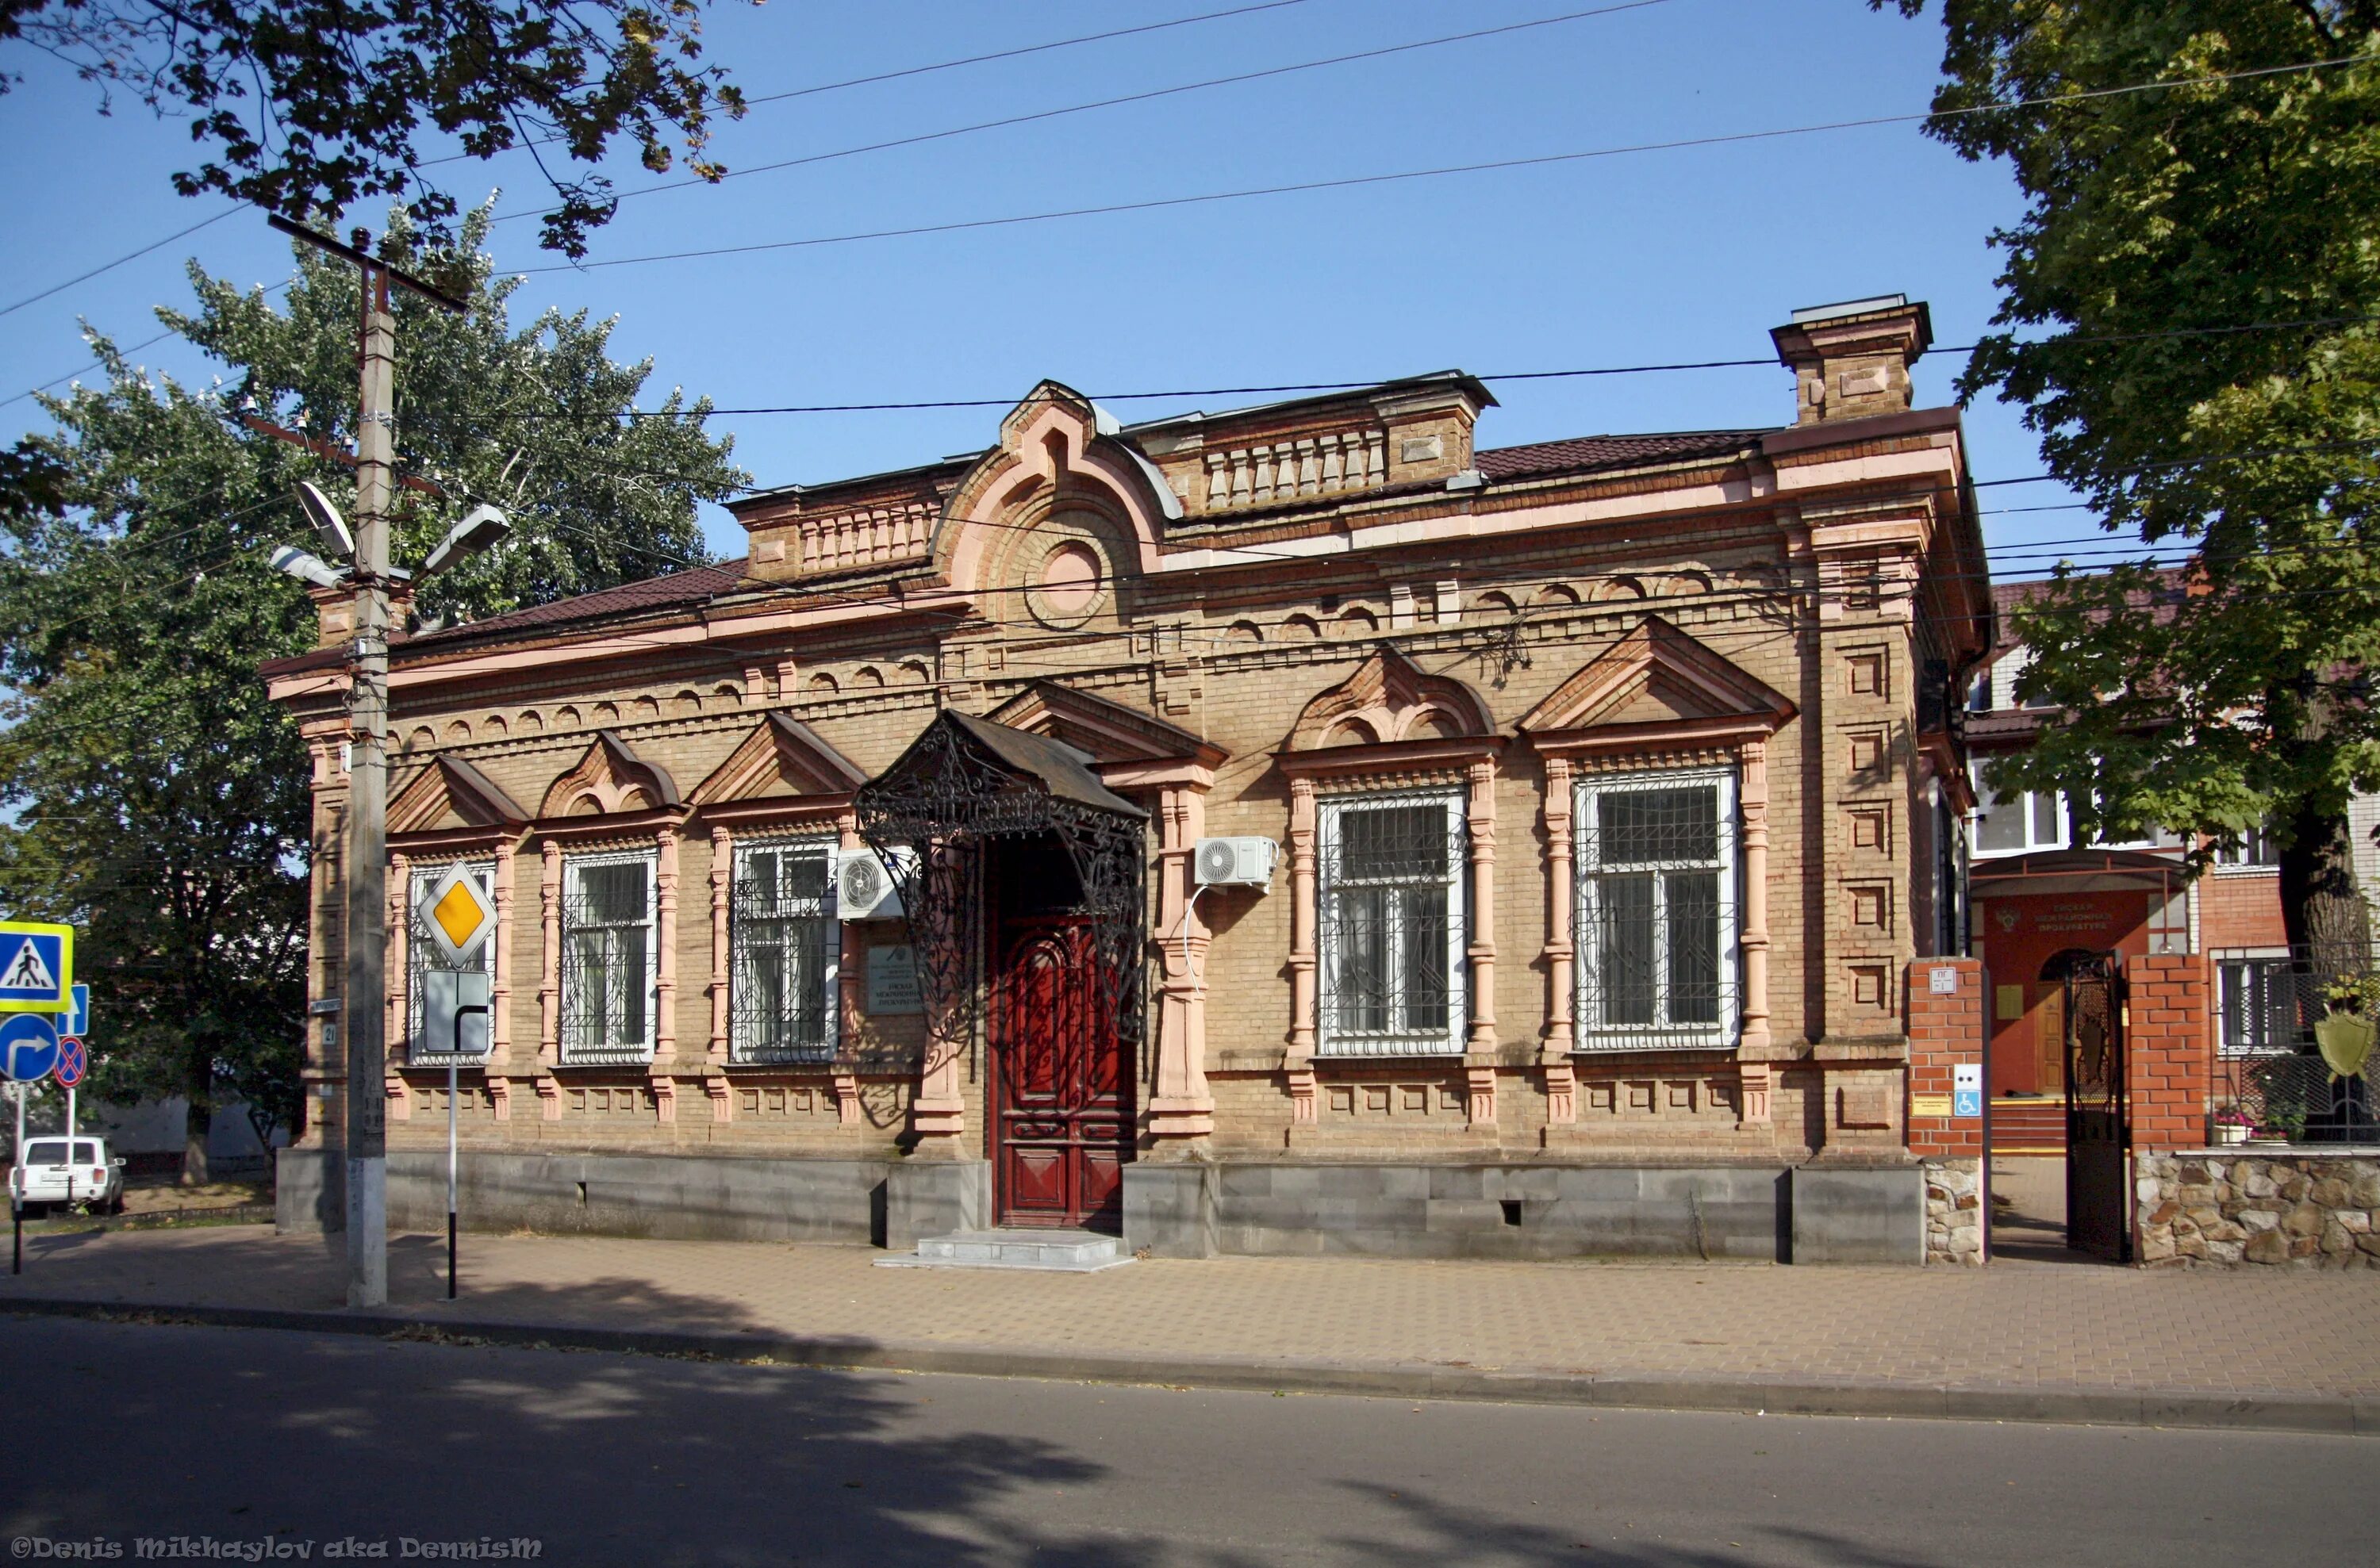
(2290, 1207)
(1954, 1208)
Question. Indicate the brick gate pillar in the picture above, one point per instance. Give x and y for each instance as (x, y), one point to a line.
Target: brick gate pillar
(1946, 1031)
(2168, 1049)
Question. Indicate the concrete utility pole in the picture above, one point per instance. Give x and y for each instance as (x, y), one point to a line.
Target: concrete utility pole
(362, 1018)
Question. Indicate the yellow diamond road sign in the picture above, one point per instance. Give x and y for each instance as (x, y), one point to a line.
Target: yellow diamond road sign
(458, 914)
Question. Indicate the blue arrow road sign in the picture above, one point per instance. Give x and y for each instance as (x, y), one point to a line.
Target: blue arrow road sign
(36, 967)
(29, 1047)
(77, 1021)
(74, 1060)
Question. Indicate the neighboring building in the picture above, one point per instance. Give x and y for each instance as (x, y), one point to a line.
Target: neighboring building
(2041, 899)
(1613, 778)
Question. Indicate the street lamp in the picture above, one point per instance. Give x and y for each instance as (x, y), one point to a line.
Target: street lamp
(483, 528)
(307, 567)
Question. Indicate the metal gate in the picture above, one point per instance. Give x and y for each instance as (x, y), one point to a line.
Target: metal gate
(2098, 1110)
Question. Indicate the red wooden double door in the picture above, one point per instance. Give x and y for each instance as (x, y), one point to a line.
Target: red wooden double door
(1061, 1121)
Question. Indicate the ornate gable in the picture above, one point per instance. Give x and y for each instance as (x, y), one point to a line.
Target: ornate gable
(1389, 698)
(1110, 731)
(1658, 681)
(450, 794)
(610, 779)
(782, 759)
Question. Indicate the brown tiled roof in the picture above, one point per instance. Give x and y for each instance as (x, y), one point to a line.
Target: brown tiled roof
(1582, 454)
(697, 585)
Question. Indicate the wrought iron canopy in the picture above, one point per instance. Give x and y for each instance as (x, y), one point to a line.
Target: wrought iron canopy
(966, 782)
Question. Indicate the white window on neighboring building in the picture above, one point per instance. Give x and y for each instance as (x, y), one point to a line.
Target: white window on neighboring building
(1394, 927)
(607, 959)
(2250, 849)
(786, 947)
(2027, 819)
(1656, 910)
(2258, 996)
(433, 992)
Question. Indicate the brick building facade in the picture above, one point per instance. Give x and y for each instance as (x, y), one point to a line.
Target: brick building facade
(1612, 780)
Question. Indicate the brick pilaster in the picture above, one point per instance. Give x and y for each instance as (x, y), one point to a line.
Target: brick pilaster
(2168, 1048)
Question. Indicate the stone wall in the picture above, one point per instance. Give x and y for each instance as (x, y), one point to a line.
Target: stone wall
(2283, 1206)
(1954, 1199)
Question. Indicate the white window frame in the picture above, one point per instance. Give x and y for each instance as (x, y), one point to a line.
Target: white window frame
(1334, 1039)
(421, 954)
(741, 1051)
(611, 1053)
(2241, 861)
(1588, 1033)
(2023, 805)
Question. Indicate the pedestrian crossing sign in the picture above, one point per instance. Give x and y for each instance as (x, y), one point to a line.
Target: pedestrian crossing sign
(458, 915)
(36, 967)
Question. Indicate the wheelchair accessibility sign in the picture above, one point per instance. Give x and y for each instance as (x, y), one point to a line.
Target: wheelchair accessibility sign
(36, 967)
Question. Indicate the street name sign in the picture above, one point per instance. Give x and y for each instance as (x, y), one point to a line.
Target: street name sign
(29, 1047)
(36, 967)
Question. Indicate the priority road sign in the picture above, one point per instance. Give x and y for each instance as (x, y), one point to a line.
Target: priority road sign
(458, 915)
(74, 1060)
(77, 1021)
(29, 1047)
(36, 967)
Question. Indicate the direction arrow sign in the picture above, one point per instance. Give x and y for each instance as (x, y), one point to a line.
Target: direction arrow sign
(74, 1060)
(78, 1020)
(458, 915)
(29, 1047)
(36, 967)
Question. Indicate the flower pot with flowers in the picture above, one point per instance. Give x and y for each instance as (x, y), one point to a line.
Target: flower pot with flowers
(2233, 1125)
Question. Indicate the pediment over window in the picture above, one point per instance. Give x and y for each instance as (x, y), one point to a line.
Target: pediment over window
(610, 779)
(450, 794)
(1656, 682)
(1389, 699)
(1121, 739)
(782, 759)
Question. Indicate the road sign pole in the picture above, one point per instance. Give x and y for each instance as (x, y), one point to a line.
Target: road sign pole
(71, 1148)
(16, 1188)
(450, 1181)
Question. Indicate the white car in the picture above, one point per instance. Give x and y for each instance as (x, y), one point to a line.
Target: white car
(48, 1173)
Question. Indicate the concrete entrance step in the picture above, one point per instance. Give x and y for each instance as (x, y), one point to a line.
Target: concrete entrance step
(1049, 1251)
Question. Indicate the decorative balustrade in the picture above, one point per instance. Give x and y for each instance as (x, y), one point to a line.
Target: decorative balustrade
(1309, 466)
(866, 537)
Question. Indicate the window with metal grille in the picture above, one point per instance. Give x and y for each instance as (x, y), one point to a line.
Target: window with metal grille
(433, 990)
(1392, 924)
(787, 946)
(607, 959)
(1655, 912)
(2260, 1010)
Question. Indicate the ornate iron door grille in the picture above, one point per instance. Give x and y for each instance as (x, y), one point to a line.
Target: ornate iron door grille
(422, 963)
(607, 961)
(2098, 1122)
(942, 801)
(786, 943)
(1390, 891)
(1656, 914)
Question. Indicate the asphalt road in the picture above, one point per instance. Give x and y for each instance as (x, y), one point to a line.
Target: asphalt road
(264, 1442)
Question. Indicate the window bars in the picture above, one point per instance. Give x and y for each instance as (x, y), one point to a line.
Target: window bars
(433, 990)
(607, 960)
(1656, 911)
(785, 947)
(1393, 925)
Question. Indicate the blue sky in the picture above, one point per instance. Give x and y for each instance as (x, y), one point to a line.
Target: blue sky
(1686, 254)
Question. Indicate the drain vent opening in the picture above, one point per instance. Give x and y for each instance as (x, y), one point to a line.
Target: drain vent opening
(1512, 1210)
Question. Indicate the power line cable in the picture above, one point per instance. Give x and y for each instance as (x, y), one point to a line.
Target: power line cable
(1153, 93)
(1538, 161)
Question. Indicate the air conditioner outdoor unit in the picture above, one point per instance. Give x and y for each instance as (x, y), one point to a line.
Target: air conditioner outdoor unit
(864, 889)
(1233, 862)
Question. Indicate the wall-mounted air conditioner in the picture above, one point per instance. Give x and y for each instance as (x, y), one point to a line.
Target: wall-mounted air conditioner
(1233, 862)
(864, 889)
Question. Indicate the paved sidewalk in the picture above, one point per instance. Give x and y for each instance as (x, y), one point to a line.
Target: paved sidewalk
(2019, 1340)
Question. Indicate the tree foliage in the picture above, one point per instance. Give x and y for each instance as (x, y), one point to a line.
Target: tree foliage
(307, 104)
(2188, 320)
(160, 802)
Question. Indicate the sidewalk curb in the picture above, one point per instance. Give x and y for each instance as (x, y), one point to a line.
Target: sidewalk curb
(2277, 1410)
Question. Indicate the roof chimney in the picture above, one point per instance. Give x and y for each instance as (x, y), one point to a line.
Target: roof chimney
(1853, 359)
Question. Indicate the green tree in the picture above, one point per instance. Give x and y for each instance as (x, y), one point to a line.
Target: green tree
(2188, 320)
(159, 801)
(315, 104)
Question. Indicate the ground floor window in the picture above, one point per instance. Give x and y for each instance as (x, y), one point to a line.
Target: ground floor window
(607, 959)
(785, 943)
(1392, 924)
(1656, 910)
(2260, 1014)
